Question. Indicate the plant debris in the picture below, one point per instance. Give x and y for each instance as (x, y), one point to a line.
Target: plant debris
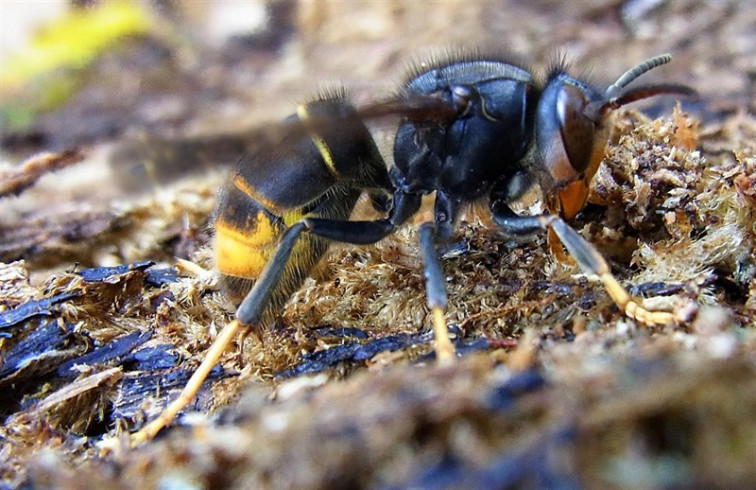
(13, 181)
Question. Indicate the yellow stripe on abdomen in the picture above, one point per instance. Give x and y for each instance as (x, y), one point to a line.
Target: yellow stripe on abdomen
(243, 186)
(319, 142)
(244, 253)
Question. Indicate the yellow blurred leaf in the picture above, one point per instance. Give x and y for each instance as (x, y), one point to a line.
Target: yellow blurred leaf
(74, 40)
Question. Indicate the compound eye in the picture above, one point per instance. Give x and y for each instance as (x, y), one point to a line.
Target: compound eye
(569, 146)
(462, 96)
(578, 133)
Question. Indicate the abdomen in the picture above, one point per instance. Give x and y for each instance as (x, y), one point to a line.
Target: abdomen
(247, 233)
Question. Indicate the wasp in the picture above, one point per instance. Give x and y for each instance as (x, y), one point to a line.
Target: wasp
(471, 128)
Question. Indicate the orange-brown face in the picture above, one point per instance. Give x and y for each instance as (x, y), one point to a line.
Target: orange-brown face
(571, 146)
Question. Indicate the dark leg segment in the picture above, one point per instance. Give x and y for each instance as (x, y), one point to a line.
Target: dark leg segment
(445, 210)
(436, 292)
(366, 232)
(251, 309)
(514, 224)
(355, 232)
(588, 258)
(434, 273)
(358, 232)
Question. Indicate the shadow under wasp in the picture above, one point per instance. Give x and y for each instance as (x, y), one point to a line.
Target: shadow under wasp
(472, 128)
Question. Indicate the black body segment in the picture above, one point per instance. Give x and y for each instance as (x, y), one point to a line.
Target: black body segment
(483, 144)
(268, 175)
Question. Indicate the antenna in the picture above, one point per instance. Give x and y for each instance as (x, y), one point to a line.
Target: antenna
(615, 98)
(614, 89)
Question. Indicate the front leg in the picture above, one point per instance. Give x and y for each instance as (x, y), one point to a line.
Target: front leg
(588, 258)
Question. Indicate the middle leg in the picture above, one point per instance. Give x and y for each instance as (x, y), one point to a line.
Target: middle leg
(435, 290)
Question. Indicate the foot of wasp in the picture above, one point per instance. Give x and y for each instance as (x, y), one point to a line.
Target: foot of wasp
(220, 344)
(588, 258)
(443, 346)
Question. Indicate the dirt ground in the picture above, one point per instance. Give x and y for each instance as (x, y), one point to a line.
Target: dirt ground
(554, 387)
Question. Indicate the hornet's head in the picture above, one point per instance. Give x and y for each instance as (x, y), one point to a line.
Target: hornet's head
(570, 134)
